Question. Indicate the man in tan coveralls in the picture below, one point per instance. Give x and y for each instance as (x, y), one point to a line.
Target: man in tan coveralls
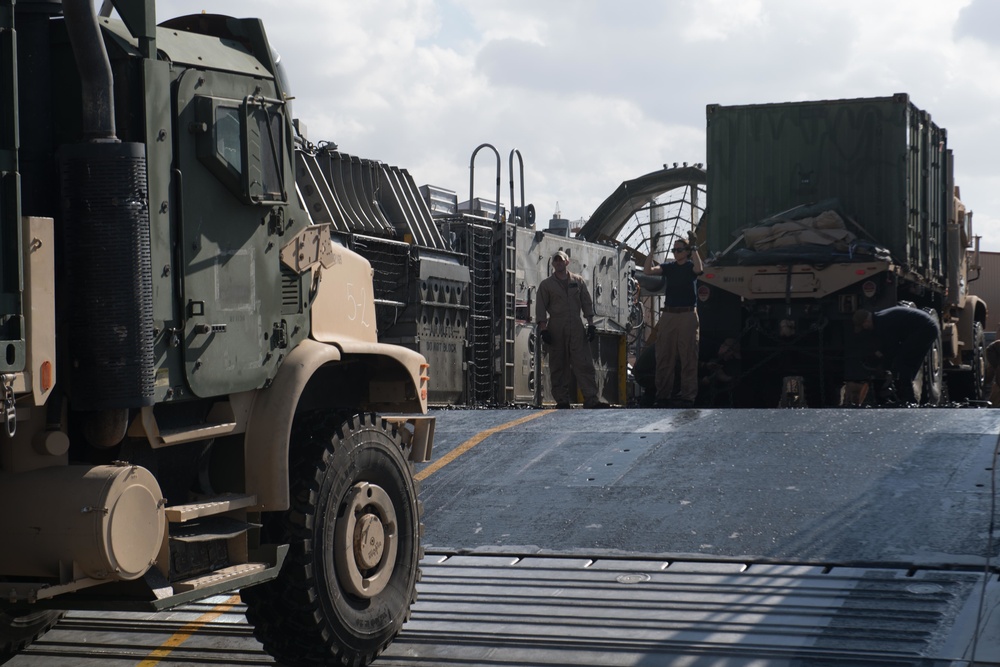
(559, 300)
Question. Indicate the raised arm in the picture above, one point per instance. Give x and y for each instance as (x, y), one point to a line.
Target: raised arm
(649, 268)
(699, 268)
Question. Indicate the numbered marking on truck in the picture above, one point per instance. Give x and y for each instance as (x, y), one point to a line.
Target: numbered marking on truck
(360, 304)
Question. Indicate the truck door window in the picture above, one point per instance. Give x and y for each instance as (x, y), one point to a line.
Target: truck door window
(242, 144)
(219, 140)
(227, 137)
(263, 180)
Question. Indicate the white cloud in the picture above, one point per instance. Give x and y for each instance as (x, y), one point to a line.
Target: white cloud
(720, 20)
(593, 93)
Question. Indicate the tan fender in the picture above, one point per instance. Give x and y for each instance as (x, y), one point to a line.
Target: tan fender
(270, 423)
(342, 327)
(409, 395)
(343, 314)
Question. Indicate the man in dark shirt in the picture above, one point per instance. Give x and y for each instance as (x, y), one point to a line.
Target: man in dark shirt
(903, 337)
(677, 330)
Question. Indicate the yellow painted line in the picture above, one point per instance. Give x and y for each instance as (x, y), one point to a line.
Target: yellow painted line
(186, 631)
(472, 442)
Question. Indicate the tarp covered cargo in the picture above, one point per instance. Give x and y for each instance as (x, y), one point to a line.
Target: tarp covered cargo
(883, 158)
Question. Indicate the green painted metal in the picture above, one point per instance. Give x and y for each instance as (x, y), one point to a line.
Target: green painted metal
(229, 247)
(12, 347)
(190, 49)
(883, 158)
(140, 18)
(221, 323)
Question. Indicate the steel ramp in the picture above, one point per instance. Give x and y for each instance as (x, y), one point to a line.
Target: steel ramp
(503, 610)
(496, 610)
(893, 488)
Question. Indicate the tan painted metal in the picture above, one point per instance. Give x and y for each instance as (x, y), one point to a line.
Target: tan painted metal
(34, 444)
(967, 318)
(227, 417)
(420, 439)
(101, 522)
(39, 376)
(270, 424)
(366, 540)
(343, 308)
(391, 390)
(309, 247)
(191, 511)
(343, 323)
(950, 342)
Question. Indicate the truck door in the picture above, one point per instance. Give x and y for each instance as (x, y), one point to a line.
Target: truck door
(231, 154)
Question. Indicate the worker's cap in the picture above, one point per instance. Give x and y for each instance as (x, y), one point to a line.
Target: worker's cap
(860, 317)
(561, 255)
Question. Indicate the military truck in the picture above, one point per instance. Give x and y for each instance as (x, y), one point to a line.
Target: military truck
(194, 398)
(815, 210)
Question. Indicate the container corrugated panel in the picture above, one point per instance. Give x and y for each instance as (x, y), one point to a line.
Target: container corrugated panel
(883, 158)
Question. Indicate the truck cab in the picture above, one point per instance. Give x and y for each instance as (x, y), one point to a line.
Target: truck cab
(188, 355)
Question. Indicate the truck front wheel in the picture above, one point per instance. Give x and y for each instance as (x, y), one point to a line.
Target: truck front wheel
(353, 533)
(968, 383)
(932, 375)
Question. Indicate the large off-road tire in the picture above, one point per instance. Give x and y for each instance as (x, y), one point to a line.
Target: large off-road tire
(932, 372)
(970, 385)
(353, 531)
(18, 631)
(978, 390)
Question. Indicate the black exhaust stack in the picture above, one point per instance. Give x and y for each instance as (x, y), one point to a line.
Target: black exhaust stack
(105, 207)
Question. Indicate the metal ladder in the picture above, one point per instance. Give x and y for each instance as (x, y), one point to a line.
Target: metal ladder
(504, 295)
(507, 237)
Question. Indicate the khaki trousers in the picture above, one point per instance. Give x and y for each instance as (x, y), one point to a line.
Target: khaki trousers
(677, 344)
(569, 356)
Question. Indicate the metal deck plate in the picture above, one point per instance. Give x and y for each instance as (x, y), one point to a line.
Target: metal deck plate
(887, 487)
(509, 611)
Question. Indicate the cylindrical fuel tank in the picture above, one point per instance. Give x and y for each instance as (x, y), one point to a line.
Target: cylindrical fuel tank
(107, 522)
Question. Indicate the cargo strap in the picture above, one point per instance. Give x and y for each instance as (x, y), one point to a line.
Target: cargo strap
(9, 409)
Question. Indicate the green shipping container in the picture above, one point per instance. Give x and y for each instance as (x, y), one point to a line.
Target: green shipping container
(883, 158)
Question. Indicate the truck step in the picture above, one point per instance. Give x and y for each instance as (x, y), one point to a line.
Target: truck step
(202, 432)
(208, 529)
(219, 577)
(208, 507)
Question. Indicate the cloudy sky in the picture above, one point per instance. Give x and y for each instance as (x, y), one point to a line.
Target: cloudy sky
(594, 92)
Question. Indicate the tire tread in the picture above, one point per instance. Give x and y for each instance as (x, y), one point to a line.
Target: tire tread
(270, 606)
